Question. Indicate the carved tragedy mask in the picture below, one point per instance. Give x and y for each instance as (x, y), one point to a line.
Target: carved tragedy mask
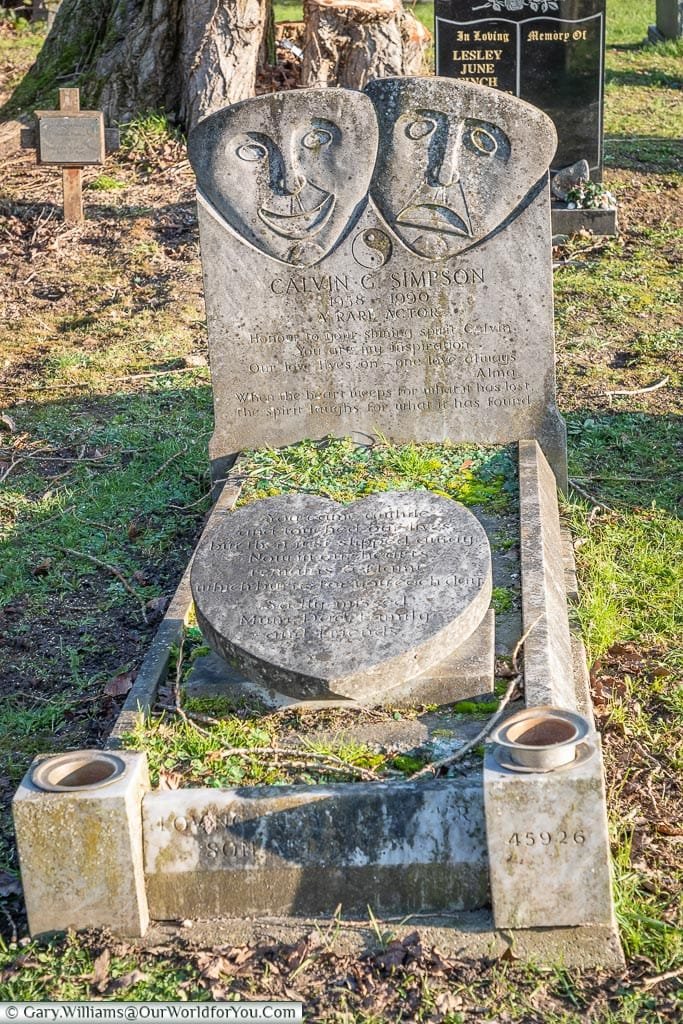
(455, 160)
(287, 171)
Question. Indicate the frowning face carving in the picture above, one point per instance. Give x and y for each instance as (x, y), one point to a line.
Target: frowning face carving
(454, 160)
(287, 171)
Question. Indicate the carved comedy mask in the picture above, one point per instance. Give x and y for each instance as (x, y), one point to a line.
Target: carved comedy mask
(455, 160)
(288, 170)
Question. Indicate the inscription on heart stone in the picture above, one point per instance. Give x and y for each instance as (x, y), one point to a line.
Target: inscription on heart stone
(316, 599)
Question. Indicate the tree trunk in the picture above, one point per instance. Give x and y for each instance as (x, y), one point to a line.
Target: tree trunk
(350, 42)
(186, 57)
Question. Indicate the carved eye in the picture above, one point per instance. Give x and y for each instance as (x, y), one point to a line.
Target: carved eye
(420, 129)
(252, 151)
(316, 138)
(483, 141)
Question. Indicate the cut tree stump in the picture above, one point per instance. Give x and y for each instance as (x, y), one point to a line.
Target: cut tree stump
(350, 42)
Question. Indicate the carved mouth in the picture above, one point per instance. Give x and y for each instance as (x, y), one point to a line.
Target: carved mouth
(302, 224)
(434, 217)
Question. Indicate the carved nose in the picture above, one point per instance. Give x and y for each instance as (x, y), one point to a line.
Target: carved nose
(291, 181)
(448, 172)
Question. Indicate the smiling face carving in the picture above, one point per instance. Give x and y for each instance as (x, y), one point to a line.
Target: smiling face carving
(287, 171)
(454, 160)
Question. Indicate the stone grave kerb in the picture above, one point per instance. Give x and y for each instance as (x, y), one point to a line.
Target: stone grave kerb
(378, 263)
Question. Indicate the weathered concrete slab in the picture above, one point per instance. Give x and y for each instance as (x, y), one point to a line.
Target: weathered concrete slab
(548, 665)
(548, 844)
(408, 313)
(80, 850)
(317, 599)
(398, 847)
(466, 934)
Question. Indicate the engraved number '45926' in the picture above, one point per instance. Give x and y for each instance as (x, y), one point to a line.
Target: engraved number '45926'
(561, 837)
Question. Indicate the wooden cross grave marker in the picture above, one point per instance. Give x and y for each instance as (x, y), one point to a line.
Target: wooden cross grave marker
(72, 139)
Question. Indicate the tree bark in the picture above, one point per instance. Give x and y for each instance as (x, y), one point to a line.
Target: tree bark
(350, 42)
(185, 57)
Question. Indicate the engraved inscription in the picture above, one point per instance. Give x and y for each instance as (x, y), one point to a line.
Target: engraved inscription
(216, 832)
(334, 593)
(407, 332)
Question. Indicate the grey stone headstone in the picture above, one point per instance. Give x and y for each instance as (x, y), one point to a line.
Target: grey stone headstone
(670, 18)
(422, 310)
(316, 599)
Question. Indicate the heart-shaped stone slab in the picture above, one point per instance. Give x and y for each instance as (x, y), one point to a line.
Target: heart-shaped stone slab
(317, 599)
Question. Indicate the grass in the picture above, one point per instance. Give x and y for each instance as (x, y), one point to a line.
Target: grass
(110, 486)
(124, 299)
(476, 476)
(292, 10)
(614, 558)
(175, 748)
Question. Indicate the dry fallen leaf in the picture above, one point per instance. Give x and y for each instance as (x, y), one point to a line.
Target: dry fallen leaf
(119, 685)
(447, 1003)
(127, 981)
(664, 829)
(212, 967)
(170, 780)
(100, 973)
(9, 885)
(8, 423)
(156, 607)
(135, 528)
(42, 568)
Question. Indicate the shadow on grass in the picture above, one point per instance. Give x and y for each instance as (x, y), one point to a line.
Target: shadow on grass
(25, 210)
(627, 458)
(644, 152)
(643, 79)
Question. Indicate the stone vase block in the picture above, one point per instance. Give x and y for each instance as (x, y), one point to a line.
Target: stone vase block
(78, 824)
(548, 843)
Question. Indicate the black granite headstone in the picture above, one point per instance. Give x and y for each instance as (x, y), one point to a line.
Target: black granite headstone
(547, 52)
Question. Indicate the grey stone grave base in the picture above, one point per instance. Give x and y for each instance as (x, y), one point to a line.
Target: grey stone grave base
(483, 861)
(568, 222)
(466, 672)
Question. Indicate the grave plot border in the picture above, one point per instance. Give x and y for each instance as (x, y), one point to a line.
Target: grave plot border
(449, 881)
